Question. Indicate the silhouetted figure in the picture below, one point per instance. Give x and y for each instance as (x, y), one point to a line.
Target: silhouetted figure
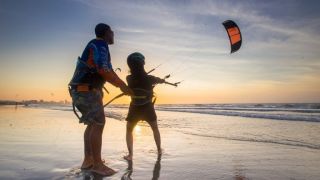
(141, 106)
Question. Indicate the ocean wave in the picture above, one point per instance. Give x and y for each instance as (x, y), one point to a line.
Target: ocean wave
(244, 109)
(290, 112)
(115, 115)
(289, 117)
(247, 139)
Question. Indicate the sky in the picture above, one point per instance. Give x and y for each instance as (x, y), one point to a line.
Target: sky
(278, 62)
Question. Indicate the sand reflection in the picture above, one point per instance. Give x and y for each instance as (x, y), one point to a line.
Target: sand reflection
(156, 170)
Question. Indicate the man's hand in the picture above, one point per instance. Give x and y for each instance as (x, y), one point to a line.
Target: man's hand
(126, 90)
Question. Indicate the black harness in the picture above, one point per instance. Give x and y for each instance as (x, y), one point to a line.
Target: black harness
(92, 78)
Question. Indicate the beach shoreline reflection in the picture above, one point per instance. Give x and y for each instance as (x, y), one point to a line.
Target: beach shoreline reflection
(156, 170)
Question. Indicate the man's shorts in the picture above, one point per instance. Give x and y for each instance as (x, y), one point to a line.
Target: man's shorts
(90, 105)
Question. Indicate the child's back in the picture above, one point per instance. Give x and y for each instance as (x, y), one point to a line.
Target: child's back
(141, 106)
(142, 85)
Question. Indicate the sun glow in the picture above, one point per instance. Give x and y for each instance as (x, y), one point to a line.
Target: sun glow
(137, 130)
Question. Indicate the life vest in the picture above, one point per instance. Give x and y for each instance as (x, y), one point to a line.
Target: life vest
(90, 76)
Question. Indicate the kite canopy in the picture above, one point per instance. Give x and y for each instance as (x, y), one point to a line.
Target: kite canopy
(234, 35)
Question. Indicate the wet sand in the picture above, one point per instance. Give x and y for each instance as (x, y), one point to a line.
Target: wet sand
(40, 143)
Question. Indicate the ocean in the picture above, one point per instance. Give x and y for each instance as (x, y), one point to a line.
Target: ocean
(288, 121)
(288, 124)
(276, 111)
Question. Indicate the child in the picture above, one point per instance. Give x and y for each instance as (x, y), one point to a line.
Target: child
(142, 85)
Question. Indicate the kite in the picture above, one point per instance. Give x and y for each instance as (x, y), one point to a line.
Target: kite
(234, 35)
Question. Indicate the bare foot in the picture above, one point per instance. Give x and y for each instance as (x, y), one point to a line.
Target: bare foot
(103, 170)
(128, 157)
(87, 164)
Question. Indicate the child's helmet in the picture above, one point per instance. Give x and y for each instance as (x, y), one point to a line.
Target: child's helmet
(135, 59)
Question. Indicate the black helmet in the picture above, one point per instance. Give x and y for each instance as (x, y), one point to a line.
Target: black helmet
(135, 60)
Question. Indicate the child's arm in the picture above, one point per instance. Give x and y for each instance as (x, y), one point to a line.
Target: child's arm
(128, 80)
(156, 80)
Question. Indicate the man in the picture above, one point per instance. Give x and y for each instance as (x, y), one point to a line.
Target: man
(92, 71)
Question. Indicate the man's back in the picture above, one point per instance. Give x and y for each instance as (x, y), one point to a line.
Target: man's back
(95, 58)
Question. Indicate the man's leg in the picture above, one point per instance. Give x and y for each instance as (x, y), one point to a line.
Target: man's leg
(156, 135)
(88, 159)
(129, 139)
(96, 143)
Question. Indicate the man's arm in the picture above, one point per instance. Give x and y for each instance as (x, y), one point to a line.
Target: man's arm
(113, 78)
(104, 67)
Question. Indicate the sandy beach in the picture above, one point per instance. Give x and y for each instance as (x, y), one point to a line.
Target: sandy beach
(39, 143)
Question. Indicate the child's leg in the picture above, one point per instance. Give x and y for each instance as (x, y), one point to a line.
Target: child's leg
(156, 135)
(129, 139)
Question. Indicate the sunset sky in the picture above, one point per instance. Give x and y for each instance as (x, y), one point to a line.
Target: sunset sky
(279, 60)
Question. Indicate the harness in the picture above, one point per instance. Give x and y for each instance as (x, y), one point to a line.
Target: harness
(91, 80)
(138, 99)
(91, 76)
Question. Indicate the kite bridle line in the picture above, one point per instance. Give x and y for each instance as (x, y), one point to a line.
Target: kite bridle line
(227, 26)
(153, 69)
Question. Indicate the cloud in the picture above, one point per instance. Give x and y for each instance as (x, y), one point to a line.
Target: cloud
(191, 36)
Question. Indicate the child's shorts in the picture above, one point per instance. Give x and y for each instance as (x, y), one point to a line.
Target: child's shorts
(145, 112)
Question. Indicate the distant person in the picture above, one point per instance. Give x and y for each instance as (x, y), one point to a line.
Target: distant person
(141, 108)
(92, 71)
